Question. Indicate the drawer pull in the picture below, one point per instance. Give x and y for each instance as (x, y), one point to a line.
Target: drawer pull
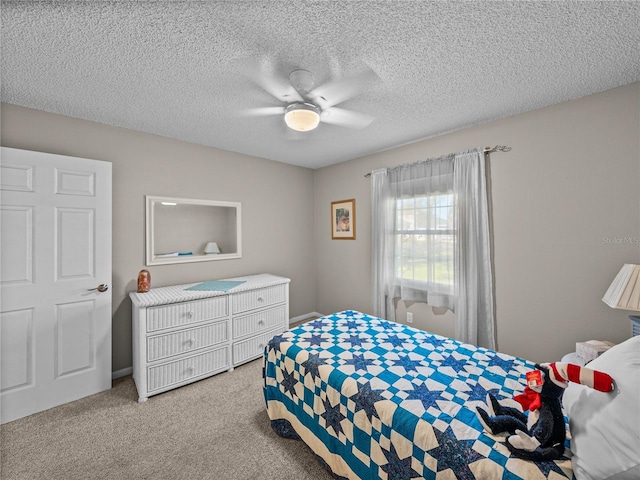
(190, 342)
(260, 299)
(189, 314)
(189, 371)
(261, 322)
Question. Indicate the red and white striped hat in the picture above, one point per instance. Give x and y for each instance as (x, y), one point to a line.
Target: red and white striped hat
(561, 373)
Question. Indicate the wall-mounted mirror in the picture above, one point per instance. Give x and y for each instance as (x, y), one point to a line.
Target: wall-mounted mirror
(182, 230)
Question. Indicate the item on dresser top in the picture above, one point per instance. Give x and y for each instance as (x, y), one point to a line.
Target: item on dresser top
(144, 281)
(220, 285)
(376, 399)
(180, 335)
(592, 349)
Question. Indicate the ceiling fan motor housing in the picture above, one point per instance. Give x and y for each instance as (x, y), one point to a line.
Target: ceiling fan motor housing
(302, 80)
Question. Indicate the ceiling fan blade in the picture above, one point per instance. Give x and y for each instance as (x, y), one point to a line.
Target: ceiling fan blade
(280, 89)
(337, 91)
(263, 111)
(266, 73)
(346, 118)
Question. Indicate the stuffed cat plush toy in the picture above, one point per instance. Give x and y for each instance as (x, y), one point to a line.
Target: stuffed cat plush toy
(541, 434)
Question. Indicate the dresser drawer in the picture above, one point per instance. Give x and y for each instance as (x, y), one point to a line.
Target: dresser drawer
(185, 313)
(253, 347)
(172, 373)
(259, 321)
(176, 343)
(258, 298)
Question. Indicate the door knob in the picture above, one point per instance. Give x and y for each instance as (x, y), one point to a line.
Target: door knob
(103, 287)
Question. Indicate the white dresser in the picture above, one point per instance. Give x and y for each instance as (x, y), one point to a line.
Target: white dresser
(180, 336)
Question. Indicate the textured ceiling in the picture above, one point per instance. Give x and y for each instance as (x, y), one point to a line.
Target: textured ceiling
(191, 70)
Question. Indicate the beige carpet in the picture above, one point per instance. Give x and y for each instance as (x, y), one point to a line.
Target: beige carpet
(216, 428)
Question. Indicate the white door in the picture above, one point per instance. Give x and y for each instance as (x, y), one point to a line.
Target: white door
(55, 250)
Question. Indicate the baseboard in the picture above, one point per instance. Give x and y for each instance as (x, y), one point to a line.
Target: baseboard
(300, 318)
(122, 373)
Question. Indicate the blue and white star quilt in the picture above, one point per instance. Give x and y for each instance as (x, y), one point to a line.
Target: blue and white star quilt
(380, 400)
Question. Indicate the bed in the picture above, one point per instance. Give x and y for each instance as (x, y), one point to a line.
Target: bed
(380, 400)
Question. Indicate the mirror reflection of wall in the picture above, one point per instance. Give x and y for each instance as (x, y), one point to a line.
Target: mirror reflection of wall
(181, 229)
(188, 228)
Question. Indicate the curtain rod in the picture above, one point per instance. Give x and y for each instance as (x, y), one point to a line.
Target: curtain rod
(486, 150)
(497, 148)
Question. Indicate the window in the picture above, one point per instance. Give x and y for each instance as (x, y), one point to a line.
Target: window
(424, 242)
(430, 241)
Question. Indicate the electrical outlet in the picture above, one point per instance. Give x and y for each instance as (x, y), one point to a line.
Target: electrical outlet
(409, 317)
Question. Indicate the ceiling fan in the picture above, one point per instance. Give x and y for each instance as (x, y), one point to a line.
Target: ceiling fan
(307, 105)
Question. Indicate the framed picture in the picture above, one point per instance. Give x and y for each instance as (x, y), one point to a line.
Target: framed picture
(343, 220)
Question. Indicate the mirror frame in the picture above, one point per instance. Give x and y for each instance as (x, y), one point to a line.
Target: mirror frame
(151, 258)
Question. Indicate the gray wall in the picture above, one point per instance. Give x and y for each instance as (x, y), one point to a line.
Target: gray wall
(277, 205)
(566, 216)
(566, 201)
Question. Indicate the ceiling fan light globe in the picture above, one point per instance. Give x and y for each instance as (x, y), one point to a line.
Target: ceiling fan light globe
(302, 117)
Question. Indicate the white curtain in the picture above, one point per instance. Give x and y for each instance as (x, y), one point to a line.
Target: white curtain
(431, 241)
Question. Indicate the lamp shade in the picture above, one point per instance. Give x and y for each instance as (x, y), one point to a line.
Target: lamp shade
(624, 291)
(212, 247)
(302, 117)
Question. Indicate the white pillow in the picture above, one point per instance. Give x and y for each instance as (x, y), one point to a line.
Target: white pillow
(605, 427)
